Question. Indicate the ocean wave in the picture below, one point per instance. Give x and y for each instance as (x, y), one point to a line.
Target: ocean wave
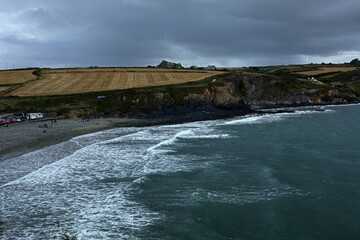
(241, 196)
(214, 136)
(255, 119)
(272, 117)
(171, 140)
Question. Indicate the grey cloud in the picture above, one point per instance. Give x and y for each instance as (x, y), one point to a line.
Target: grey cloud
(138, 33)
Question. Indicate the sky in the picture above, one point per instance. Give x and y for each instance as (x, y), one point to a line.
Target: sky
(231, 33)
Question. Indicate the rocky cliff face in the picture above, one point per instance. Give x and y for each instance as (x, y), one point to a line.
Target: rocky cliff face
(268, 91)
(228, 94)
(254, 92)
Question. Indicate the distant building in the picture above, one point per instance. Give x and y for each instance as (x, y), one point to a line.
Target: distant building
(312, 79)
(211, 68)
(337, 84)
(166, 64)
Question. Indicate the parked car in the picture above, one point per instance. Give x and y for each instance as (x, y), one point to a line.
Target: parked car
(15, 119)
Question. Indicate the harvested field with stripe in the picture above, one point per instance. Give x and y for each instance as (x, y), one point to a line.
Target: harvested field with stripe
(59, 82)
(327, 70)
(113, 69)
(14, 77)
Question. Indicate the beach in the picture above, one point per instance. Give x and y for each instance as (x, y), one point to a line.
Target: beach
(30, 135)
(23, 137)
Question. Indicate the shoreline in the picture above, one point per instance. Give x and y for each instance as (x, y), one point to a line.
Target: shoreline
(24, 137)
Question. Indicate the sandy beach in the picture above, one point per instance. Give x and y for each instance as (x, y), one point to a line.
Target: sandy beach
(23, 137)
(30, 135)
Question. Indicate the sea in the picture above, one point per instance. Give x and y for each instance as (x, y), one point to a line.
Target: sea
(291, 175)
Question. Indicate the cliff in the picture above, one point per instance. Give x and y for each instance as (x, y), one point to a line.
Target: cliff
(269, 91)
(229, 94)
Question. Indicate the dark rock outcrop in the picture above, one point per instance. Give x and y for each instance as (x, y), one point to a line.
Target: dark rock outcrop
(166, 64)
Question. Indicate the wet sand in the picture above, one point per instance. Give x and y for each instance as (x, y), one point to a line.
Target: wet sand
(23, 137)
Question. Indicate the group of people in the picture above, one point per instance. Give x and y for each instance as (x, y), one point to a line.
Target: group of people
(46, 126)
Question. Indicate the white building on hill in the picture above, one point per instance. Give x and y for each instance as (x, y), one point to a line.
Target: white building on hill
(211, 68)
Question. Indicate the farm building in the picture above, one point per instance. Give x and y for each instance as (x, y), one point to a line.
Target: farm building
(166, 64)
(211, 68)
(312, 79)
(337, 84)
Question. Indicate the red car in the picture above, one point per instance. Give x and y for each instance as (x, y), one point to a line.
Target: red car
(12, 121)
(2, 122)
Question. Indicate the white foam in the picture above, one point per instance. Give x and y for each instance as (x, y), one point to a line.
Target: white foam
(92, 183)
(30, 162)
(268, 118)
(214, 136)
(171, 140)
(104, 164)
(255, 120)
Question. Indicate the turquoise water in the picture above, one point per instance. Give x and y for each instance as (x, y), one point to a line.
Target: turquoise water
(278, 176)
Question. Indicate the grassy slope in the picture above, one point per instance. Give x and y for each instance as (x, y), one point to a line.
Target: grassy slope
(293, 81)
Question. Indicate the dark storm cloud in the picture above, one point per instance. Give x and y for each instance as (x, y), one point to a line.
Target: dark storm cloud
(139, 32)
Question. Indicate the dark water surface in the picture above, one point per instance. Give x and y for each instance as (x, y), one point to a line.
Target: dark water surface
(279, 176)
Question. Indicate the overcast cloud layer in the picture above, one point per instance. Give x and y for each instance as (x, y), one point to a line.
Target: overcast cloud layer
(194, 32)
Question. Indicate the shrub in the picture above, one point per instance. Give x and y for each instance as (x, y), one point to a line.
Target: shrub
(38, 73)
(355, 62)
